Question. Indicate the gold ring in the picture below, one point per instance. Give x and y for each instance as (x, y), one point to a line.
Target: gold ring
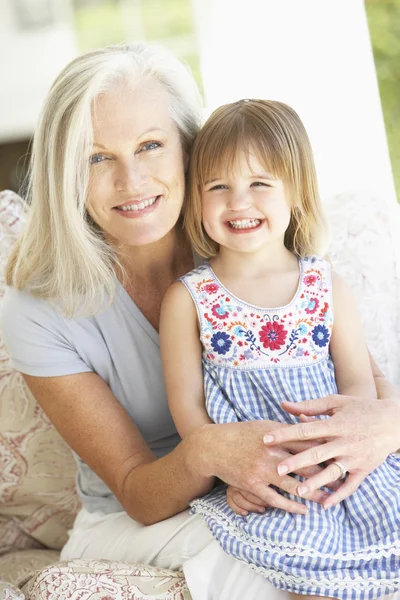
(343, 471)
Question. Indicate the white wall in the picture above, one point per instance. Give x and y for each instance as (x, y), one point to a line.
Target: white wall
(316, 56)
(30, 59)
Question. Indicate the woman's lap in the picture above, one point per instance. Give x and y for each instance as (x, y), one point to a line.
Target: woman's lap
(183, 541)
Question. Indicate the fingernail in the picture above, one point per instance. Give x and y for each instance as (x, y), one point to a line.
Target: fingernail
(282, 469)
(303, 489)
(244, 513)
(304, 510)
(327, 505)
(261, 510)
(268, 439)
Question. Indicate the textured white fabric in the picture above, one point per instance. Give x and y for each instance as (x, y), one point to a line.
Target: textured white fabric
(364, 250)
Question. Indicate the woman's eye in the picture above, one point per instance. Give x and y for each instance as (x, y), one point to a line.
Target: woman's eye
(96, 158)
(151, 146)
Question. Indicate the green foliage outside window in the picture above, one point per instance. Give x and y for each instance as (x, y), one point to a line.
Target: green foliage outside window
(384, 25)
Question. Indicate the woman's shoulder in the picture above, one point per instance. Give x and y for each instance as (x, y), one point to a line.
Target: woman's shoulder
(37, 336)
(20, 304)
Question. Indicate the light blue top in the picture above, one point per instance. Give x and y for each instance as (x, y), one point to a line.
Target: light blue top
(119, 344)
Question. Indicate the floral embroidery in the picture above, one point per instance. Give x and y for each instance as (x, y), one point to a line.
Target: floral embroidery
(211, 288)
(320, 335)
(219, 311)
(309, 280)
(220, 342)
(312, 306)
(273, 335)
(236, 334)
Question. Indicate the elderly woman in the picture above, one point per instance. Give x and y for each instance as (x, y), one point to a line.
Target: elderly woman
(103, 243)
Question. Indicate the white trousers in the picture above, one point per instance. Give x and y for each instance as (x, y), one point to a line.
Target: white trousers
(181, 542)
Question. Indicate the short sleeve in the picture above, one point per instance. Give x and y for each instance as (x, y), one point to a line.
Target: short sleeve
(37, 336)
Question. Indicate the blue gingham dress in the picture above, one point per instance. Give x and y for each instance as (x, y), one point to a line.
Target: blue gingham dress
(253, 358)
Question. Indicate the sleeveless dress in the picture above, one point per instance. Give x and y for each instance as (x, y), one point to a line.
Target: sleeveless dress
(253, 358)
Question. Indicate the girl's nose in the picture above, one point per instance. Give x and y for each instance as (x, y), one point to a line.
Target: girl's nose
(239, 200)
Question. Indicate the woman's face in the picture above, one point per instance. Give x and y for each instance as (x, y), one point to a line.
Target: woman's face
(137, 177)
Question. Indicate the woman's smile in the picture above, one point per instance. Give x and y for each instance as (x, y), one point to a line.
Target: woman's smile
(138, 208)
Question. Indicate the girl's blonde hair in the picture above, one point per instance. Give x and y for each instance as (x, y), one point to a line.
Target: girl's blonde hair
(62, 255)
(275, 134)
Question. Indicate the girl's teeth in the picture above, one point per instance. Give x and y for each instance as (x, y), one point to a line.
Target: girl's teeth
(140, 206)
(245, 223)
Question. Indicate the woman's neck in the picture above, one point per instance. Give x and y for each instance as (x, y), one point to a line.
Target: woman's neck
(156, 262)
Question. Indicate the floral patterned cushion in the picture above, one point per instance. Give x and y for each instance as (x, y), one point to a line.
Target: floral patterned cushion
(38, 501)
(106, 580)
(18, 567)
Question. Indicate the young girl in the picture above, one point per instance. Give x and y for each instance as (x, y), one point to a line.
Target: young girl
(264, 320)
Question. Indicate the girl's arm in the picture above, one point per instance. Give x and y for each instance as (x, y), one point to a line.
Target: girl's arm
(348, 348)
(181, 357)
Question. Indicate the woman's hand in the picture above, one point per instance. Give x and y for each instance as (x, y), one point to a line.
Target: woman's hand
(360, 434)
(235, 453)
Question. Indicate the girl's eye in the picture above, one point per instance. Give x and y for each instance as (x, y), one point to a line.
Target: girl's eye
(150, 146)
(220, 186)
(260, 183)
(96, 158)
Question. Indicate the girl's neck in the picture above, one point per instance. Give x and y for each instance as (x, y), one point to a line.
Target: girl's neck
(276, 258)
(267, 279)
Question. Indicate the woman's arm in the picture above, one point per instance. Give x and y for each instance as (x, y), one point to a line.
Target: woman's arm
(96, 426)
(98, 429)
(384, 388)
(348, 349)
(181, 356)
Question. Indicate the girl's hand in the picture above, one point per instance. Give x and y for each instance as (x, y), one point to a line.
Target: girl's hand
(360, 434)
(243, 502)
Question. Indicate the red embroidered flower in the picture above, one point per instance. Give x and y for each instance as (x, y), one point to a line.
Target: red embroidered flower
(273, 335)
(211, 288)
(219, 312)
(210, 320)
(312, 306)
(310, 280)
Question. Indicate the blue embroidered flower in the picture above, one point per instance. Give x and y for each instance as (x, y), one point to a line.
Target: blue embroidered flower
(220, 342)
(238, 330)
(302, 329)
(320, 335)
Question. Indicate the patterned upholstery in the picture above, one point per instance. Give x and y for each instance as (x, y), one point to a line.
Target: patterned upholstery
(37, 490)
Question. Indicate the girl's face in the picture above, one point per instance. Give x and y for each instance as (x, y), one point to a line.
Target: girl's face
(137, 178)
(248, 210)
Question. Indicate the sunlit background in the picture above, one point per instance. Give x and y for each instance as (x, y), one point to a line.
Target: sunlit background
(313, 54)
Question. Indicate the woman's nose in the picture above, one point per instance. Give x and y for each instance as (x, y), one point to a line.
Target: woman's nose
(130, 176)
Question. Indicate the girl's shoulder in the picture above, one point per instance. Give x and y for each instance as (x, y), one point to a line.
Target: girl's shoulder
(315, 269)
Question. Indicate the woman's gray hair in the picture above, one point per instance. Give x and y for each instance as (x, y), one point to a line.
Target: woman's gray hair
(62, 255)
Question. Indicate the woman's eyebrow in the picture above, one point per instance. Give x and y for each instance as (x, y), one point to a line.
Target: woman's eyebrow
(151, 130)
(98, 145)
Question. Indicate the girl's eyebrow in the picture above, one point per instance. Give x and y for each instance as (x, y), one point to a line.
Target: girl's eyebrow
(263, 176)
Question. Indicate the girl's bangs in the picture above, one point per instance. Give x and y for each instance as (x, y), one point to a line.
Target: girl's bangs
(220, 158)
